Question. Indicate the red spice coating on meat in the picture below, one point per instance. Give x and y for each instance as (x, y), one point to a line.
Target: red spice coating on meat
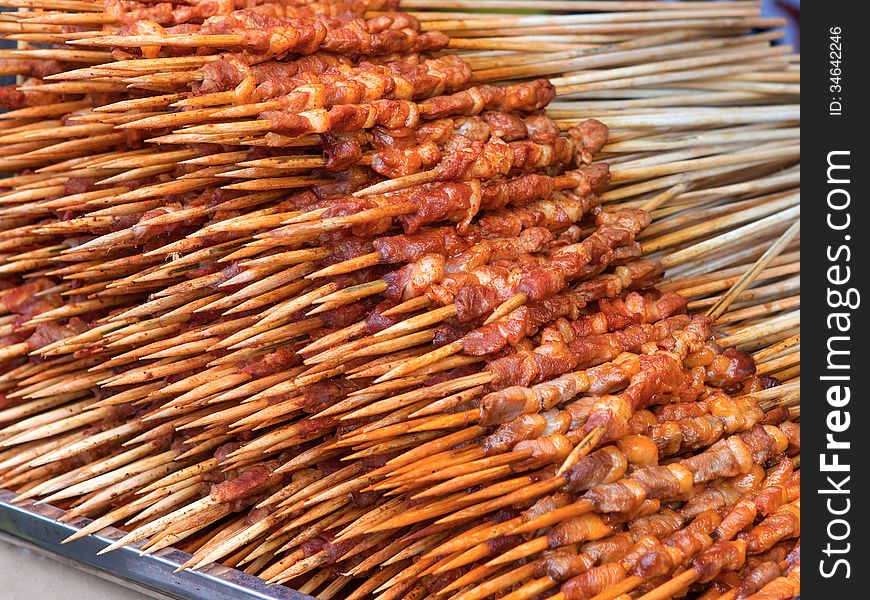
(512, 369)
(376, 322)
(273, 362)
(578, 529)
(541, 129)
(78, 185)
(167, 13)
(445, 201)
(47, 333)
(274, 33)
(594, 581)
(681, 410)
(528, 155)
(406, 248)
(562, 564)
(499, 250)
(348, 314)
(592, 178)
(782, 524)
(320, 395)
(495, 336)
(509, 434)
(414, 279)
(781, 588)
(30, 67)
(545, 450)
(764, 442)
(792, 432)
(450, 375)
(757, 578)
(12, 98)
(590, 137)
(402, 162)
(591, 470)
(250, 482)
(725, 458)
(523, 97)
(342, 150)
(519, 191)
(506, 126)
(446, 333)
(461, 155)
(27, 300)
(539, 279)
(600, 348)
(730, 368)
(721, 556)
(660, 377)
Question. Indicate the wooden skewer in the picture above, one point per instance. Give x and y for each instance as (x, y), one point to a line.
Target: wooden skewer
(216, 405)
(672, 587)
(722, 305)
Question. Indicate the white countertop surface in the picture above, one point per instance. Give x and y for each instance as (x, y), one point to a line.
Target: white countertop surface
(28, 575)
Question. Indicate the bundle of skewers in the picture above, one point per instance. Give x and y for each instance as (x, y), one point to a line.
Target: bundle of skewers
(417, 301)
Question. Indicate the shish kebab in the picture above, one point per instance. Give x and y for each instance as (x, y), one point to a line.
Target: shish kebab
(501, 196)
(600, 561)
(265, 33)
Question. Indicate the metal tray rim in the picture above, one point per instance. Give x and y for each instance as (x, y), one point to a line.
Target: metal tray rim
(35, 524)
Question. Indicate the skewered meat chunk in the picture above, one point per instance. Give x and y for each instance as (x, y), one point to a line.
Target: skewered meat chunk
(167, 13)
(237, 360)
(781, 588)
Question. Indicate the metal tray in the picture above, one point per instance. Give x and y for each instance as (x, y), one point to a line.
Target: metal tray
(35, 526)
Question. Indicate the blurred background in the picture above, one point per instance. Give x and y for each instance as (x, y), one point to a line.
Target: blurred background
(791, 10)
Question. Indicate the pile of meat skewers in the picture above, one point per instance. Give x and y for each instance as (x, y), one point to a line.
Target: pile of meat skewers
(290, 288)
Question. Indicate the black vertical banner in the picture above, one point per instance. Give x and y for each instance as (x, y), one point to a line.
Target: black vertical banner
(835, 453)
